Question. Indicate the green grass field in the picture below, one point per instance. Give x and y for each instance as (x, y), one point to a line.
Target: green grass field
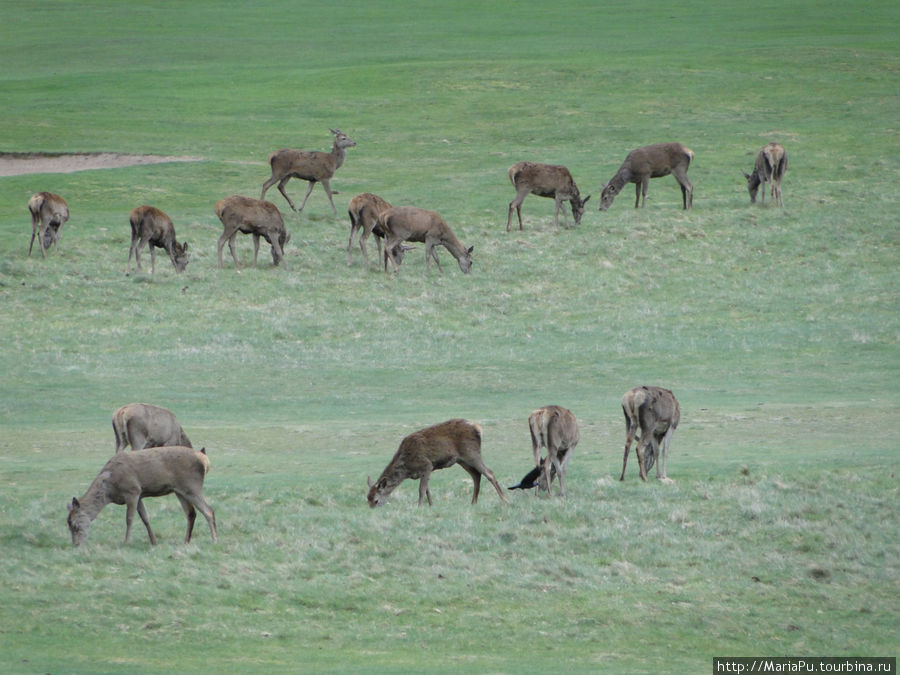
(777, 329)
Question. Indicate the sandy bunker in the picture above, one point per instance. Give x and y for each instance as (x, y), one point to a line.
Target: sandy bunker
(21, 163)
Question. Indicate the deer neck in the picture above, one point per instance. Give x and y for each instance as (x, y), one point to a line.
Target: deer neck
(622, 177)
(338, 154)
(96, 497)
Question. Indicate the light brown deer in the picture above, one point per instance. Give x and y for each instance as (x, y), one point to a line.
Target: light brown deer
(651, 161)
(308, 165)
(130, 476)
(770, 167)
(252, 216)
(408, 223)
(150, 226)
(49, 212)
(452, 442)
(655, 412)
(545, 180)
(142, 425)
(555, 428)
(364, 210)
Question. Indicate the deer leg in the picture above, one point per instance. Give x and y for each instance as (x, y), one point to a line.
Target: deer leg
(231, 240)
(285, 194)
(664, 456)
(476, 480)
(191, 515)
(327, 185)
(778, 192)
(255, 248)
(354, 226)
(389, 254)
(630, 429)
(638, 450)
(687, 190)
(517, 203)
(152, 259)
(312, 184)
(278, 253)
(363, 237)
(424, 492)
(41, 232)
(269, 183)
(199, 502)
(479, 467)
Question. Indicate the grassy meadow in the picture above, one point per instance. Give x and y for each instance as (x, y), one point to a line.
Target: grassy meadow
(777, 329)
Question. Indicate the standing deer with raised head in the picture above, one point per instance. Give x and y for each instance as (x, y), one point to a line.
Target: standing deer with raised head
(545, 180)
(555, 428)
(49, 212)
(130, 476)
(252, 216)
(770, 167)
(651, 161)
(142, 425)
(150, 226)
(452, 442)
(408, 223)
(655, 412)
(309, 165)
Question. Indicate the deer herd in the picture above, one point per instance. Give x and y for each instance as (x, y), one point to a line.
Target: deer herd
(164, 461)
(370, 214)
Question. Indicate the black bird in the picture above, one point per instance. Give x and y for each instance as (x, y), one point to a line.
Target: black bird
(531, 478)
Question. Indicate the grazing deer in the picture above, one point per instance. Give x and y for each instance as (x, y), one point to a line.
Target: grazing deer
(408, 223)
(312, 166)
(555, 428)
(49, 212)
(545, 180)
(130, 476)
(770, 167)
(252, 216)
(150, 226)
(651, 161)
(142, 425)
(452, 442)
(655, 411)
(364, 210)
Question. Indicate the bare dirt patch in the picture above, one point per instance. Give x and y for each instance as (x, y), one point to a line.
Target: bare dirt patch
(21, 163)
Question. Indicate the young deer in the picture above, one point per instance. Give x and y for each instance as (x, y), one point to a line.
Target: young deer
(308, 165)
(655, 411)
(545, 180)
(150, 226)
(142, 425)
(770, 167)
(49, 212)
(364, 210)
(555, 428)
(130, 476)
(651, 161)
(452, 442)
(252, 216)
(408, 223)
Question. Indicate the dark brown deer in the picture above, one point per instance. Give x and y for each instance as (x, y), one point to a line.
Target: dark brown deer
(545, 180)
(408, 223)
(555, 428)
(142, 425)
(770, 167)
(49, 212)
(308, 165)
(655, 412)
(150, 226)
(252, 216)
(130, 476)
(452, 442)
(651, 161)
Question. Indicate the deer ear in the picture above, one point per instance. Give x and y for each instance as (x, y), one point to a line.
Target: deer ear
(369, 481)
(585, 200)
(746, 175)
(470, 250)
(74, 505)
(184, 246)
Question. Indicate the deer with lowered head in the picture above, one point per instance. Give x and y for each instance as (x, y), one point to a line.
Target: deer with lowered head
(142, 425)
(252, 216)
(408, 223)
(130, 476)
(49, 212)
(364, 210)
(770, 167)
(455, 441)
(555, 428)
(545, 180)
(655, 412)
(309, 165)
(150, 226)
(651, 161)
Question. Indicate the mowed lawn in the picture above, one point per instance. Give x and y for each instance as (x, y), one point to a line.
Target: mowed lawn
(777, 329)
